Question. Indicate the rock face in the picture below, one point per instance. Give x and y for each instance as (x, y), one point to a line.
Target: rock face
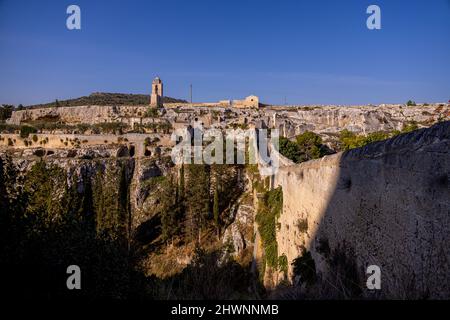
(80, 114)
(144, 189)
(240, 232)
(329, 121)
(290, 120)
(101, 162)
(386, 204)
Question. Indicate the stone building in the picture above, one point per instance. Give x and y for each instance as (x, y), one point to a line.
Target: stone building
(249, 102)
(157, 93)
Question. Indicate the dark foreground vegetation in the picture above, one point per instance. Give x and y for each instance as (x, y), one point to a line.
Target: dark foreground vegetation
(47, 224)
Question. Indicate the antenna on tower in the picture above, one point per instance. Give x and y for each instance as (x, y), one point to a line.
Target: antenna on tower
(190, 86)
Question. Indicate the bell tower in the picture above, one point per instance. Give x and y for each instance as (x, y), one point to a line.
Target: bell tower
(157, 93)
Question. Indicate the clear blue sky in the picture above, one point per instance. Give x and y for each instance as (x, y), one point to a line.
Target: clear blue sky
(307, 51)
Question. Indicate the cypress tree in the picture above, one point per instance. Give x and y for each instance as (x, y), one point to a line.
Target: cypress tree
(170, 212)
(3, 196)
(197, 198)
(181, 187)
(123, 222)
(216, 210)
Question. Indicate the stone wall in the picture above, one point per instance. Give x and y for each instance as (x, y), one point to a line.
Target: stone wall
(75, 142)
(387, 204)
(81, 114)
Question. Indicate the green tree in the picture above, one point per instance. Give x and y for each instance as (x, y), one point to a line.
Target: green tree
(151, 112)
(197, 199)
(289, 149)
(48, 226)
(3, 196)
(216, 210)
(40, 189)
(124, 201)
(5, 218)
(111, 202)
(350, 140)
(182, 183)
(306, 146)
(376, 136)
(170, 211)
(305, 267)
(25, 131)
(409, 126)
(6, 111)
(310, 146)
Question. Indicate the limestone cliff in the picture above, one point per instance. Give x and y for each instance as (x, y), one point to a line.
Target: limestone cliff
(101, 166)
(386, 204)
(326, 120)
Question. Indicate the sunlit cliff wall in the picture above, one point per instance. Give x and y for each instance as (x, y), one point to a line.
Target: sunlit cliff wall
(387, 204)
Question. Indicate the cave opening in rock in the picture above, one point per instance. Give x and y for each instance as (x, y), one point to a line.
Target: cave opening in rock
(132, 151)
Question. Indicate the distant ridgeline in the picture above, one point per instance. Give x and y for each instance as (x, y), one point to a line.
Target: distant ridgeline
(106, 99)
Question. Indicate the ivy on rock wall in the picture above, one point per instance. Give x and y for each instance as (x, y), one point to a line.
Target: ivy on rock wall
(269, 210)
(43, 194)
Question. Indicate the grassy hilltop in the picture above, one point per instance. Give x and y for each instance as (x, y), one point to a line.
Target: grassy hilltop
(105, 99)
